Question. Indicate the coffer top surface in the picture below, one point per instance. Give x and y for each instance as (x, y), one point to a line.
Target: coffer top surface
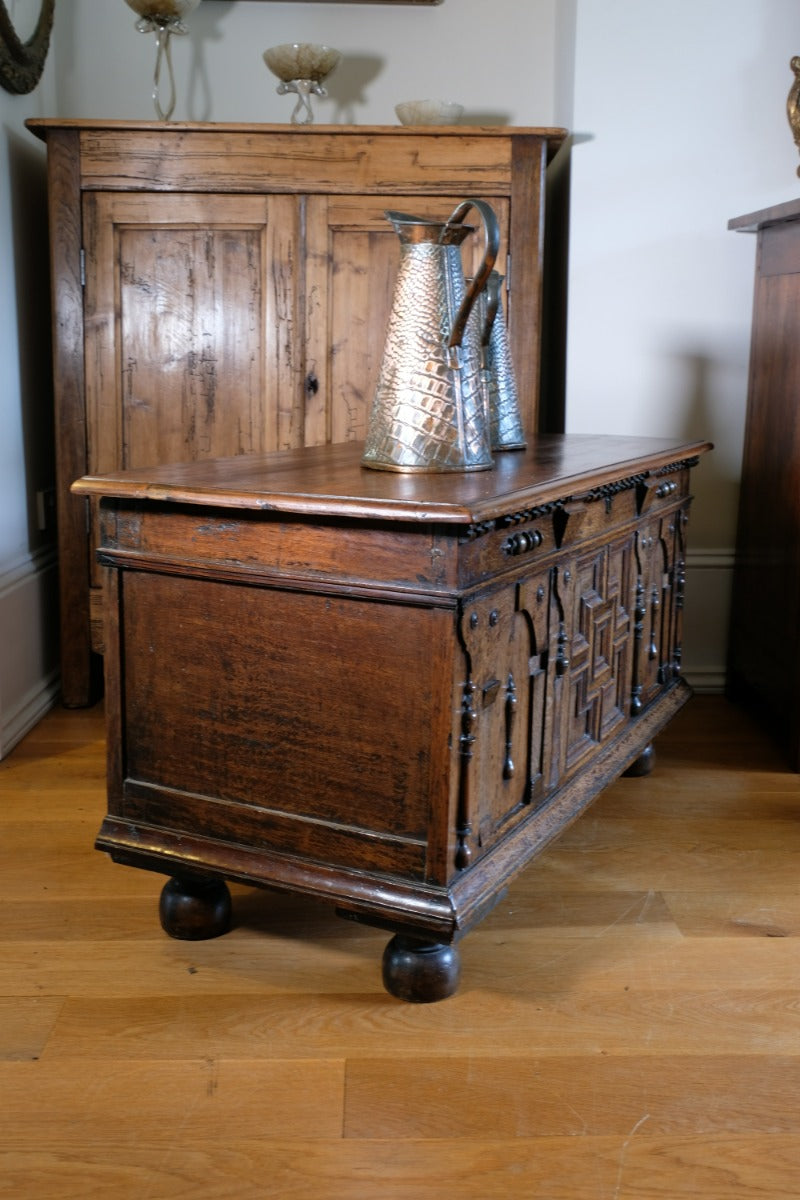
(331, 481)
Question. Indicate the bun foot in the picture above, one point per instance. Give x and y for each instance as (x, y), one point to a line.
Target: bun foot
(420, 972)
(642, 765)
(195, 909)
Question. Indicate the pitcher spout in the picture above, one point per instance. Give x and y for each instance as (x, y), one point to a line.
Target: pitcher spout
(415, 230)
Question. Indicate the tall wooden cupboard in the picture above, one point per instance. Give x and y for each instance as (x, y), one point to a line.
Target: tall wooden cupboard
(764, 653)
(223, 289)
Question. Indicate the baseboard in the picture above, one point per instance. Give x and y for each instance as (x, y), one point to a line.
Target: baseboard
(711, 560)
(29, 672)
(709, 579)
(29, 712)
(706, 682)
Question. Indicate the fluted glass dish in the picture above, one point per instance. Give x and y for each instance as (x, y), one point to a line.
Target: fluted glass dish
(301, 68)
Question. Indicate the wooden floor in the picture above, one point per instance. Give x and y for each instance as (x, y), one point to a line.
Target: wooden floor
(627, 1028)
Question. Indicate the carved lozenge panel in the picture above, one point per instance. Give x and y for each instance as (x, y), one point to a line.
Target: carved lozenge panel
(596, 593)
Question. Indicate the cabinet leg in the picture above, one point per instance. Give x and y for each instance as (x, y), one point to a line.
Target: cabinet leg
(419, 971)
(195, 909)
(642, 765)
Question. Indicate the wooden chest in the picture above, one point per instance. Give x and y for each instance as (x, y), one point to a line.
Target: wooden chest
(386, 691)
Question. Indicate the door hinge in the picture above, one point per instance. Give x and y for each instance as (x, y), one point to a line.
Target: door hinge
(83, 267)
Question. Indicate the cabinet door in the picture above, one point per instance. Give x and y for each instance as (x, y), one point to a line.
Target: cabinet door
(188, 301)
(189, 319)
(352, 255)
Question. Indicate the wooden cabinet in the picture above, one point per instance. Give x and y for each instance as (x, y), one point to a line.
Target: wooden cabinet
(224, 289)
(764, 648)
(388, 692)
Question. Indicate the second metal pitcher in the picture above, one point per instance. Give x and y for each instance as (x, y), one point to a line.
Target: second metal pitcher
(497, 369)
(429, 413)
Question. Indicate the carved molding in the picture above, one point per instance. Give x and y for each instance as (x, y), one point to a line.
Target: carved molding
(531, 514)
(683, 464)
(481, 528)
(607, 490)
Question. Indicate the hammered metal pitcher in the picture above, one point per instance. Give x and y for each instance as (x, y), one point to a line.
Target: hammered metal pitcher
(497, 369)
(428, 412)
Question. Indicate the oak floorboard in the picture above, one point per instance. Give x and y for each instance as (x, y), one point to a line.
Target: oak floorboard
(636, 1166)
(190, 1098)
(569, 1096)
(26, 1023)
(628, 1016)
(760, 913)
(627, 1027)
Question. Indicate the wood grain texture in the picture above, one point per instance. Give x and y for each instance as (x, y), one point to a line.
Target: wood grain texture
(627, 1028)
(330, 480)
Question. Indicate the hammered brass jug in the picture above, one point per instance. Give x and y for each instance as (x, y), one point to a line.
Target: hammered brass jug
(428, 412)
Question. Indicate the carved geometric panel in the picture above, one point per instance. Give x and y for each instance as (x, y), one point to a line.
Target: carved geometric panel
(600, 629)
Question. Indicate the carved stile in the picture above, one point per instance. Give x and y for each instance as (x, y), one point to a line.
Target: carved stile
(466, 742)
(511, 712)
(639, 614)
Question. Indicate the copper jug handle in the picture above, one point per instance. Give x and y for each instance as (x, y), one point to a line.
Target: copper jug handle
(491, 230)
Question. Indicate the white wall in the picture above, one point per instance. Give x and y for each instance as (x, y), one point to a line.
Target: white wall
(28, 610)
(390, 53)
(680, 120)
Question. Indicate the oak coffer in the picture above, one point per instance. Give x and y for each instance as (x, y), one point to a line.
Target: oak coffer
(387, 691)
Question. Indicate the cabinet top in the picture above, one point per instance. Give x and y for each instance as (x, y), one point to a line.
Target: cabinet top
(777, 213)
(41, 126)
(202, 156)
(330, 480)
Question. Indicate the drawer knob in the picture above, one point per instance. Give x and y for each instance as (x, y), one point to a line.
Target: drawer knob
(522, 542)
(666, 489)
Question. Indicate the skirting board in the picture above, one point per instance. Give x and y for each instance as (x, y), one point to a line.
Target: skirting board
(29, 674)
(709, 579)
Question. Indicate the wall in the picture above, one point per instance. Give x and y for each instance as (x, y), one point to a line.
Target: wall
(680, 121)
(28, 586)
(390, 53)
